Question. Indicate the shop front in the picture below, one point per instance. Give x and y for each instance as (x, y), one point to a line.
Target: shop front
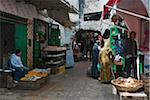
(40, 40)
(13, 36)
(133, 18)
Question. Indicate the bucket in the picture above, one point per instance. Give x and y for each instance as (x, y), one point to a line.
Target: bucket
(1, 78)
(6, 78)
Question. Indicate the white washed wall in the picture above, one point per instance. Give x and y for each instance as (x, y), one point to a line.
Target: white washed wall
(68, 35)
(62, 34)
(92, 6)
(75, 3)
(92, 25)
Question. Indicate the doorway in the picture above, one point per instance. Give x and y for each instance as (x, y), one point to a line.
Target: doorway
(7, 31)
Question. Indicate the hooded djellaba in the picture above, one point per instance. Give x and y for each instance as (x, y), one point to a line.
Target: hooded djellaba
(106, 58)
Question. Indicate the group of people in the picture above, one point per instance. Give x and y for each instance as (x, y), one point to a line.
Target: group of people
(84, 45)
(103, 56)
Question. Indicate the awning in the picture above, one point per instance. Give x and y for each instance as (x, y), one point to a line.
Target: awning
(133, 12)
(139, 13)
(57, 9)
(135, 6)
(61, 17)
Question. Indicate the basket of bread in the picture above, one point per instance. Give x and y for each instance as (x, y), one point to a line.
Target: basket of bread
(127, 84)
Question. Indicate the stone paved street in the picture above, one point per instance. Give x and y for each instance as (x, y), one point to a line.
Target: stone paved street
(72, 85)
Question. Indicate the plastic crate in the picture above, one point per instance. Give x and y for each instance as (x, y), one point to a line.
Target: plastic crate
(61, 69)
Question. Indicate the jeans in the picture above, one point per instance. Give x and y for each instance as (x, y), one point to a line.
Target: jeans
(94, 69)
(19, 72)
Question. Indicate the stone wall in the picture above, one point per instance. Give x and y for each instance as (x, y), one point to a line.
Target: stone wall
(30, 47)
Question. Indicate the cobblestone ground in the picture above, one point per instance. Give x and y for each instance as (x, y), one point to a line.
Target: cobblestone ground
(72, 85)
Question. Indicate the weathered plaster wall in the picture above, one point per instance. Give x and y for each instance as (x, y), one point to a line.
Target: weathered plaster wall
(92, 6)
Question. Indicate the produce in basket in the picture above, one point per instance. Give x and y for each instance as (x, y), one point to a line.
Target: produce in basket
(127, 84)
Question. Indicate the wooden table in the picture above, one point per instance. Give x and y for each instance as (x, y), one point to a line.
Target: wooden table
(137, 94)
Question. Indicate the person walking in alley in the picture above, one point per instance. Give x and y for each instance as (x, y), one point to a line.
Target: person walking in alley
(91, 46)
(130, 53)
(84, 48)
(95, 52)
(16, 63)
(106, 58)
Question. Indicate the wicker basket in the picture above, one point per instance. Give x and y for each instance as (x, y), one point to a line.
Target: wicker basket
(127, 89)
(33, 85)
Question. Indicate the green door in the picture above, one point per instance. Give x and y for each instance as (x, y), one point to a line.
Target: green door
(36, 55)
(21, 40)
(54, 35)
(7, 31)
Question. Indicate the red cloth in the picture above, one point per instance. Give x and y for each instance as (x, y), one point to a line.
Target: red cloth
(109, 3)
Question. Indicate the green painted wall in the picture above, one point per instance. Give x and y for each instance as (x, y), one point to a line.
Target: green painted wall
(20, 38)
(54, 34)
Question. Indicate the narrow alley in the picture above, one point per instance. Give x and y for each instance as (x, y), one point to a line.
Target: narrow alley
(72, 85)
(74, 49)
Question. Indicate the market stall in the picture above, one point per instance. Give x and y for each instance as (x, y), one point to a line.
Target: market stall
(126, 87)
(34, 79)
(133, 18)
(55, 58)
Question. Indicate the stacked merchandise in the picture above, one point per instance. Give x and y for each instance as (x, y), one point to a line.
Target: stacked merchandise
(55, 58)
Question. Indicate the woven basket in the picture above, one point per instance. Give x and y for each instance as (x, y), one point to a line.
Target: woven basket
(127, 89)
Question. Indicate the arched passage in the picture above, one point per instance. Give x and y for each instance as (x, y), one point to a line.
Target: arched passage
(83, 43)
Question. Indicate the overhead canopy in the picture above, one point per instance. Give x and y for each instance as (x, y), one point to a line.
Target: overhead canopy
(57, 9)
(135, 6)
(60, 16)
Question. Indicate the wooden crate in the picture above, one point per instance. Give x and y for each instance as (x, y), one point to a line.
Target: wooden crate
(59, 69)
(33, 85)
(54, 70)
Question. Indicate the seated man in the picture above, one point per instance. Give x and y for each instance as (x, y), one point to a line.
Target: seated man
(20, 69)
